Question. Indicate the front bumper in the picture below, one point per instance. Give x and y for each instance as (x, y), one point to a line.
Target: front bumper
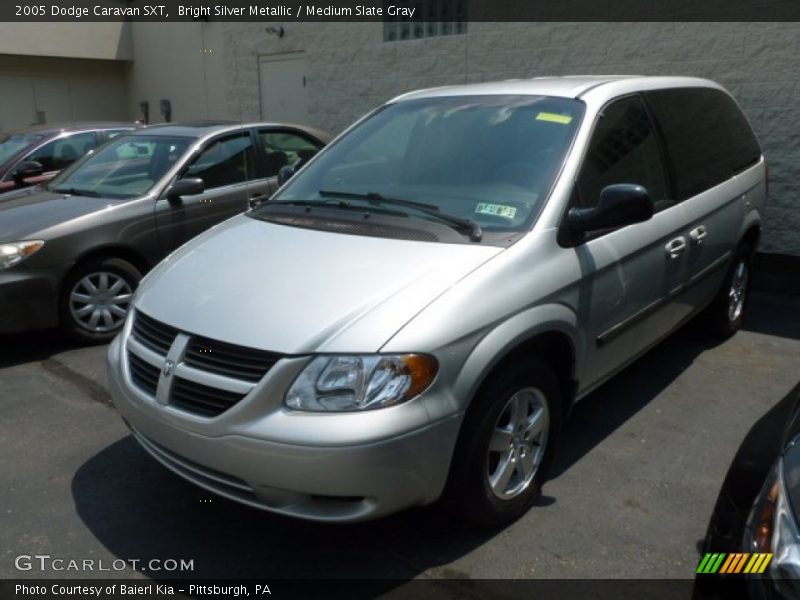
(28, 300)
(321, 476)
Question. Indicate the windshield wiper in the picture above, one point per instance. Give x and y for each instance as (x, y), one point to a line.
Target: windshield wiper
(76, 192)
(474, 230)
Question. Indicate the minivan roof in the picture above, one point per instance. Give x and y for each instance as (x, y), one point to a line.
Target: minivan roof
(572, 86)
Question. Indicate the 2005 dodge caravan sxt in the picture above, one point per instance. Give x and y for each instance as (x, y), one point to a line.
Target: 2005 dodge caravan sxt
(415, 312)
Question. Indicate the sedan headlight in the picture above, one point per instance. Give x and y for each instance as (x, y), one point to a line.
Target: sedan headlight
(13, 253)
(361, 382)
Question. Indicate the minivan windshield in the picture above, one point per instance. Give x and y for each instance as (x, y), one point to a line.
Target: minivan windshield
(126, 167)
(15, 143)
(488, 160)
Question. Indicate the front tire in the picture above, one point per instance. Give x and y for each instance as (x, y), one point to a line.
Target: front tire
(506, 444)
(96, 297)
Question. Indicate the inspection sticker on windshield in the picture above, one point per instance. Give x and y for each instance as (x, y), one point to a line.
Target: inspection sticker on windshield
(496, 210)
(554, 118)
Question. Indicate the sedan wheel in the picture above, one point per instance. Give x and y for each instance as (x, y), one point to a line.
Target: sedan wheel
(96, 297)
(99, 301)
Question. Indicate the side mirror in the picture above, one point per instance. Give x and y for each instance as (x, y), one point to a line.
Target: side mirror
(30, 168)
(186, 187)
(619, 205)
(285, 172)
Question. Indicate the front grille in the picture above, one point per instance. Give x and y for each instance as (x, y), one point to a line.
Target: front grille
(154, 334)
(143, 374)
(246, 365)
(238, 362)
(201, 399)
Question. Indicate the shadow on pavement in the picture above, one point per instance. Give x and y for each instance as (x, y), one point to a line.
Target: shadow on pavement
(600, 413)
(20, 348)
(774, 314)
(139, 510)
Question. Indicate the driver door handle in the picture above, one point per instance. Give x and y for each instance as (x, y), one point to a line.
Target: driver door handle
(675, 247)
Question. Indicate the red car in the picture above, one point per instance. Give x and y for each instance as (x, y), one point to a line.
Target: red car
(37, 154)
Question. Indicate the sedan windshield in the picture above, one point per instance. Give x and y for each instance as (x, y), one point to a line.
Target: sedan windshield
(126, 167)
(15, 143)
(489, 161)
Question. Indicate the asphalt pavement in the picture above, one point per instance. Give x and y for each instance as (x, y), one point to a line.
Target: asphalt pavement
(641, 463)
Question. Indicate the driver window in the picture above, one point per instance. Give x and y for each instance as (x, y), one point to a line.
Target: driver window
(623, 149)
(61, 153)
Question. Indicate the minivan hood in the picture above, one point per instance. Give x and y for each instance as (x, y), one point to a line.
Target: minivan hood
(296, 291)
(28, 211)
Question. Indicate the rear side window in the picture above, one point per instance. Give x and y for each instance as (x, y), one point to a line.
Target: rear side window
(224, 162)
(707, 137)
(623, 149)
(285, 148)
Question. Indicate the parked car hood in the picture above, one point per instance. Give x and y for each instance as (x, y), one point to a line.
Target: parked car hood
(295, 291)
(27, 212)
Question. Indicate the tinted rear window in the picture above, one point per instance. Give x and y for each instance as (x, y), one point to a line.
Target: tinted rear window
(708, 138)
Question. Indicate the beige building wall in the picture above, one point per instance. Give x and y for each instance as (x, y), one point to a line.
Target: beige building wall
(61, 72)
(210, 70)
(351, 69)
(37, 90)
(180, 62)
(105, 41)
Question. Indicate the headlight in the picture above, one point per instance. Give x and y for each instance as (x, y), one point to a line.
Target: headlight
(772, 528)
(15, 252)
(350, 383)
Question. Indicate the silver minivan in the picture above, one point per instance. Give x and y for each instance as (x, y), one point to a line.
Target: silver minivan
(413, 314)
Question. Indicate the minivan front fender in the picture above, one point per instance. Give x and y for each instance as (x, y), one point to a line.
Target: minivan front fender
(510, 335)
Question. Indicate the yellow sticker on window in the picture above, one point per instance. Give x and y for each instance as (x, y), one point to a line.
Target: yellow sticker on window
(554, 118)
(496, 210)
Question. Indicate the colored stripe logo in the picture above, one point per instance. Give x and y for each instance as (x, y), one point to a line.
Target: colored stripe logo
(744, 562)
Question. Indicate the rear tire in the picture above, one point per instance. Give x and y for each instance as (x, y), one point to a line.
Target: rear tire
(725, 314)
(506, 444)
(95, 298)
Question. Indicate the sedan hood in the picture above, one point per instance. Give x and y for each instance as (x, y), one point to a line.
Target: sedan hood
(296, 291)
(27, 212)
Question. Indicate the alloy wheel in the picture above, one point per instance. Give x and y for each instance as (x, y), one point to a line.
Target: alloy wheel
(738, 291)
(518, 443)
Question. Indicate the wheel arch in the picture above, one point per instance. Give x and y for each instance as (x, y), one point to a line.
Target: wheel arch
(752, 236)
(547, 332)
(126, 253)
(109, 251)
(750, 232)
